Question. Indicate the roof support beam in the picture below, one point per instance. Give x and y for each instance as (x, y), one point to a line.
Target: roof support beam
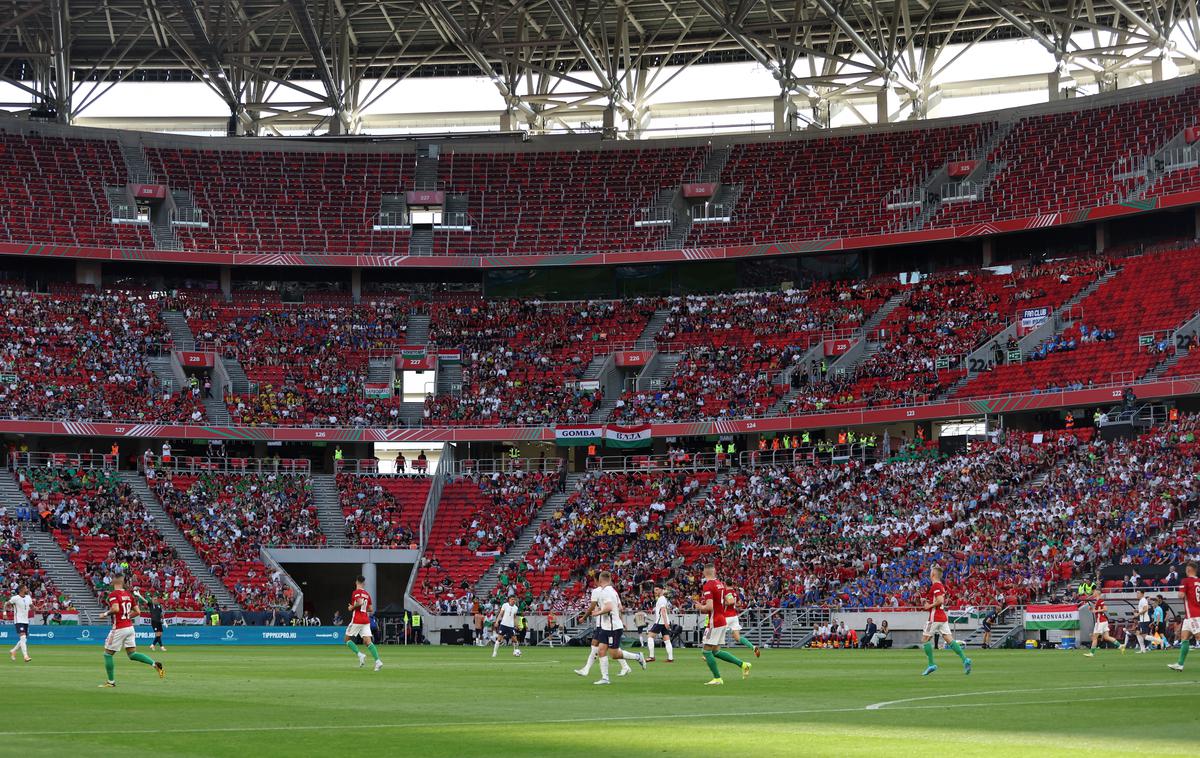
(312, 41)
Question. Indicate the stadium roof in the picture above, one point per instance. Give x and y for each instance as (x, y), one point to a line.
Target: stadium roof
(548, 57)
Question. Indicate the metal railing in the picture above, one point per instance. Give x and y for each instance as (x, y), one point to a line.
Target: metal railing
(195, 464)
(433, 499)
(964, 190)
(92, 461)
(273, 565)
(506, 465)
(905, 197)
(711, 212)
(190, 216)
(668, 462)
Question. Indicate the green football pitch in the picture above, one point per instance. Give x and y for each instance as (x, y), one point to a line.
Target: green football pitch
(461, 702)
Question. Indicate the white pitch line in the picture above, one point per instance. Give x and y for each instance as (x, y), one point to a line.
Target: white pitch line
(885, 703)
(605, 719)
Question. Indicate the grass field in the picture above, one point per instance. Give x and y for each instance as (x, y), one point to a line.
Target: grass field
(461, 702)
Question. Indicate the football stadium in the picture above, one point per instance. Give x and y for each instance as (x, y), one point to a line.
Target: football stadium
(620, 377)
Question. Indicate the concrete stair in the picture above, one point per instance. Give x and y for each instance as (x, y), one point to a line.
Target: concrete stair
(420, 241)
(592, 372)
(136, 164)
(412, 414)
(884, 311)
(381, 370)
(329, 509)
(161, 367)
(653, 327)
(449, 379)
(51, 556)
(417, 332)
(661, 372)
(517, 550)
(601, 412)
(170, 532)
(163, 231)
(239, 384)
(216, 410)
(181, 332)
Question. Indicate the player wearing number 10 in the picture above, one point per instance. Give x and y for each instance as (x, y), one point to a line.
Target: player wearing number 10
(1190, 589)
(360, 624)
(122, 608)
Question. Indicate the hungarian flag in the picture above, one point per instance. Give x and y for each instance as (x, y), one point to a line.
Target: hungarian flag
(627, 436)
(1052, 616)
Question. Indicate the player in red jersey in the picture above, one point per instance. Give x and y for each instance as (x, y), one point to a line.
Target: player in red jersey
(734, 624)
(123, 609)
(939, 623)
(1100, 629)
(360, 623)
(712, 602)
(1190, 589)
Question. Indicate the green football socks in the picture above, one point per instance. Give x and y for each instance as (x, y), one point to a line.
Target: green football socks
(929, 652)
(142, 658)
(1183, 651)
(711, 660)
(374, 653)
(353, 648)
(110, 667)
(728, 657)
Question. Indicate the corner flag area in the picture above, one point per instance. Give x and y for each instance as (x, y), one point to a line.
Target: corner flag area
(461, 702)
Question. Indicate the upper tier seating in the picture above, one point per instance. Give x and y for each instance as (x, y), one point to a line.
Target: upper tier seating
(948, 316)
(309, 362)
(588, 201)
(519, 358)
(52, 191)
(79, 355)
(1149, 296)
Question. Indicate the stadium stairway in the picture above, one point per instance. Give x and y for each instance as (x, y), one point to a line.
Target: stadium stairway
(653, 327)
(412, 414)
(592, 372)
(237, 376)
(1178, 354)
(328, 500)
(163, 371)
(181, 333)
(170, 532)
(449, 379)
(50, 555)
(417, 330)
(1001, 629)
(517, 550)
(216, 411)
(601, 412)
(661, 372)
(382, 370)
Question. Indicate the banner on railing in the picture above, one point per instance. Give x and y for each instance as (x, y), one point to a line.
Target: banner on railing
(377, 389)
(1052, 616)
(578, 436)
(627, 436)
(1032, 318)
(587, 385)
(449, 356)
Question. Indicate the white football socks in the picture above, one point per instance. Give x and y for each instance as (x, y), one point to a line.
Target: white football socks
(670, 650)
(650, 647)
(604, 667)
(587, 667)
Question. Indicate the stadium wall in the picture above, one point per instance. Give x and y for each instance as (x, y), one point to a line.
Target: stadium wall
(95, 634)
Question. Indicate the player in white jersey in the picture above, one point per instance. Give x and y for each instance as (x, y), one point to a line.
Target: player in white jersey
(593, 604)
(660, 627)
(1143, 621)
(506, 626)
(21, 604)
(611, 627)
